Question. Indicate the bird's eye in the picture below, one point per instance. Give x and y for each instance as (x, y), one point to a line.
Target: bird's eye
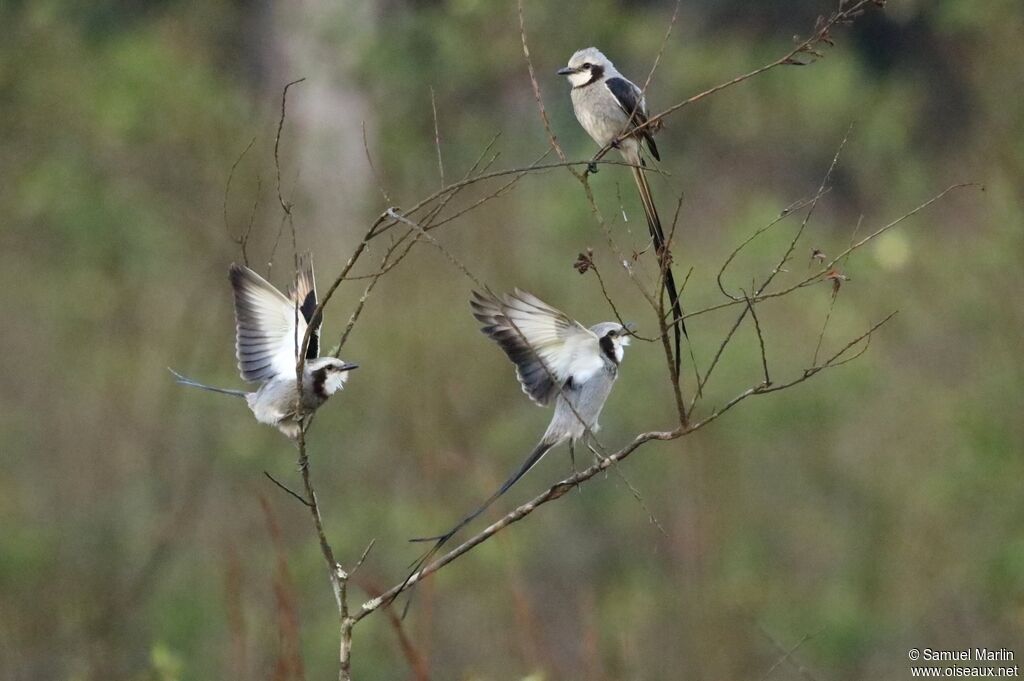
(587, 65)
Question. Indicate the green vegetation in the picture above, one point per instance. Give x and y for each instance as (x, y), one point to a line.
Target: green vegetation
(873, 509)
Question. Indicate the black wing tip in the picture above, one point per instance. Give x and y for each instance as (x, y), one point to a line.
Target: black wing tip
(486, 307)
(490, 311)
(235, 275)
(540, 397)
(651, 145)
(241, 277)
(482, 305)
(484, 297)
(236, 271)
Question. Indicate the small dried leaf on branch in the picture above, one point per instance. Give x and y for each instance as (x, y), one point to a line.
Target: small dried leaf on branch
(584, 262)
(837, 278)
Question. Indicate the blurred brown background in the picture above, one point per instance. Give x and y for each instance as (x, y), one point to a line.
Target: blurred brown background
(874, 509)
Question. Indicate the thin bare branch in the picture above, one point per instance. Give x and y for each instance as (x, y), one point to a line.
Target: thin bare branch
(762, 389)
(536, 90)
(750, 300)
(760, 340)
(786, 655)
(654, 303)
(556, 491)
(373, 168)
(287, 489)
(242, 239)
(586, 263)
(437, 137)
(362, 558)
(807, 47)
(786, 212)
(807, 217)
(818, 275)
(384, 269)
(394, 214)
(824, 326)
(718, 354)
(664, 44)
(277, 144)
(337, 575)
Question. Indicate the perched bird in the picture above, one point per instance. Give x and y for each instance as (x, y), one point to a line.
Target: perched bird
(269, 330)
(610, 108)
(557, 359)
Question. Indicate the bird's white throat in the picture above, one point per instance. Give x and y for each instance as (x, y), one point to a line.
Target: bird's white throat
(580, 78)
(334, 381)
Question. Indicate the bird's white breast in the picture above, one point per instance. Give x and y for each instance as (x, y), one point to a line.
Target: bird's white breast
(598, 112)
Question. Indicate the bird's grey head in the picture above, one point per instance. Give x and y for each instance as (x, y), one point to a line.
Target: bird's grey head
(328, 374)
(587, 66)
(613, 338)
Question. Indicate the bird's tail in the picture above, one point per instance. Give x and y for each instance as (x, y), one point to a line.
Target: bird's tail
(661, 248)
(441, 539)
(539, 451)
(188, 381)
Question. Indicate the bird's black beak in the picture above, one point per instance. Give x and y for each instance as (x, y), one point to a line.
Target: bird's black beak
(348, 366)
(567, 71)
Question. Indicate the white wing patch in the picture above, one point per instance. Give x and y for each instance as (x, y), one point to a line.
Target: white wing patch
(265, 324)
(548, 348)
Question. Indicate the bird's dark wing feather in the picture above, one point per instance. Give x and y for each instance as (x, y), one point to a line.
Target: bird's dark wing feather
(547, 347)
(304, 295)
(631, 101)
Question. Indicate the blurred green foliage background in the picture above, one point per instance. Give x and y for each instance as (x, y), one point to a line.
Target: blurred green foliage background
(873, 509)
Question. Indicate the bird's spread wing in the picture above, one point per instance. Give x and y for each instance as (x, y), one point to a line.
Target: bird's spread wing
(547, 347)
(632, 103)
(303, 294)
(265, 327)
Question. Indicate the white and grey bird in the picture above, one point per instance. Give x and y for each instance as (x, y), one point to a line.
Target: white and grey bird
(269, 330)
(556, 359)
(611, 108)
